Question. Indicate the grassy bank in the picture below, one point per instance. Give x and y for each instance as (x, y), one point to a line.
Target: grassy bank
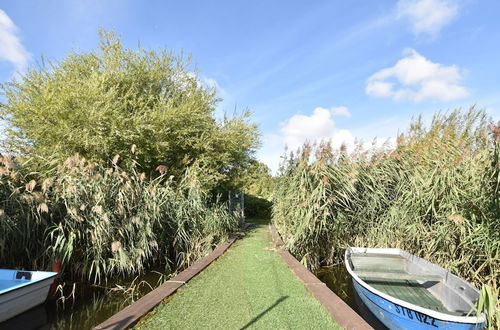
(249, 287)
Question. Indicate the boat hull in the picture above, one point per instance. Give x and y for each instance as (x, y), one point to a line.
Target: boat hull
(395, 316)
(407, 292)
(24, 298)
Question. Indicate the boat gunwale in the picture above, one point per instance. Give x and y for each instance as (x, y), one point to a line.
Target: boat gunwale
(29, 282)
(435, 314)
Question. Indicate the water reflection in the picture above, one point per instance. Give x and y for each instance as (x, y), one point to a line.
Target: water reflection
(35, 318)
(339, 281)
(93, 305)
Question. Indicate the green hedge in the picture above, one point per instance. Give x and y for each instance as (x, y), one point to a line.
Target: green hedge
(256, 207)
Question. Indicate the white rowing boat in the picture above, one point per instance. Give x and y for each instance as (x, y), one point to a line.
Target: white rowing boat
(22, 290)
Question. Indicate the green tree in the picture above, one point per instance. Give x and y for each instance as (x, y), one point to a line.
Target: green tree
(146, 106)
(257, 180)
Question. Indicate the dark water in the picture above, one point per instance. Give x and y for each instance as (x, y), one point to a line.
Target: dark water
(91, 305)
(339, 281)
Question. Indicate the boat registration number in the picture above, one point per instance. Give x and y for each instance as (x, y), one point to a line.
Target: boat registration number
(413, 315)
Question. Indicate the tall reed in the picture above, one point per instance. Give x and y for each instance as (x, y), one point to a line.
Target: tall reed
(436, 195)
(105, 221)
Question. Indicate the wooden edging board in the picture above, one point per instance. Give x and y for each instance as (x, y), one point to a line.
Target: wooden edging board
(131, 314)
(339, 311)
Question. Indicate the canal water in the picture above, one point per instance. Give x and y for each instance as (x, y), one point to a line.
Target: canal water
(85, 306)
(339, 281)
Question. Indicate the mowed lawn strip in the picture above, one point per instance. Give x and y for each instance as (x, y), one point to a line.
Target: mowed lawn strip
(249, 287)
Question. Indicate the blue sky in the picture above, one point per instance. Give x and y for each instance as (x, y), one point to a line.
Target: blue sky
(308, 70)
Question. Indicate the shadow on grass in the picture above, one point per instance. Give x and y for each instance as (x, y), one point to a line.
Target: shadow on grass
(255, 319)
(258, 221)
(254, 224)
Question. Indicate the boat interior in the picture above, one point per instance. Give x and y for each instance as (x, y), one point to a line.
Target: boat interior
(11, 279)
(415, 281)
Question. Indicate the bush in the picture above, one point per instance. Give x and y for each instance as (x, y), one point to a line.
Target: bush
(102, 103)
(87, 135)
(257, 180)
(257, 208)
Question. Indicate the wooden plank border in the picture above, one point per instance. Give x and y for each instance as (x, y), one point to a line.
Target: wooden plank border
(339, 311)
(131, 314)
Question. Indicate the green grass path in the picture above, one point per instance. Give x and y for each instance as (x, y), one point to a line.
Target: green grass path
(248, 287)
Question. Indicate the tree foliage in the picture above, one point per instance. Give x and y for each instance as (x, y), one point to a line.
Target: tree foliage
(258, 181)
(112, 100)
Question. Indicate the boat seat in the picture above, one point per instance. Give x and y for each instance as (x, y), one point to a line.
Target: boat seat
(373, 276)
(414, 293)
(23, 275)
(378, 263)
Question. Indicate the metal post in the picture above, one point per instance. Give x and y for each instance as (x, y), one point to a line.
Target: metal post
(230, 202)
(242, 209)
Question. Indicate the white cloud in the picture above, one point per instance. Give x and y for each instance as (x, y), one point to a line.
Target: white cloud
(210, 82)
(11, 49)
(341, 111)
(320, 127)
(314, 128)
(417, 79)
(298, 129)
(379, 89)
(427, 16)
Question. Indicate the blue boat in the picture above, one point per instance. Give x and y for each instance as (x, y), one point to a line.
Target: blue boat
(21, 290)
(407, 292)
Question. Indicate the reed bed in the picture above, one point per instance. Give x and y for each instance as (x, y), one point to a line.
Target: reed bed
(104, 221)
(436, 195)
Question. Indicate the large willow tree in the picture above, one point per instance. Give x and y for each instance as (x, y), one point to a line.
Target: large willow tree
(143, 105)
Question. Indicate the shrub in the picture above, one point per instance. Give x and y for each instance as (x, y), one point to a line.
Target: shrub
(105, 102)
(256, 207)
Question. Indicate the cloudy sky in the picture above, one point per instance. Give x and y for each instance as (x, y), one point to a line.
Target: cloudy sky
(308, 70)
